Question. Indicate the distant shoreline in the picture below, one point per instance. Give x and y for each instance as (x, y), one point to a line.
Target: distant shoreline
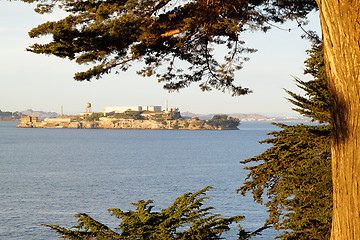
(17, 120)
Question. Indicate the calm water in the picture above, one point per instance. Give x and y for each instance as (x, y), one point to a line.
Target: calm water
(48, 175)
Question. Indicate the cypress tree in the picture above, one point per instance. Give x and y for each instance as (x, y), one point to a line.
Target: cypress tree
(186, 218)
(293, 177)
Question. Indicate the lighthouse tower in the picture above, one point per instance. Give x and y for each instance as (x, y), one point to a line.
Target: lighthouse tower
(166, 106)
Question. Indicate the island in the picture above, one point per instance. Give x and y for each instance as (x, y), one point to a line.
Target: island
(132, 118)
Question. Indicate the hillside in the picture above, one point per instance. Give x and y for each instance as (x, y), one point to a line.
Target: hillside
(39, 114)
(6, 116)
(240, 116)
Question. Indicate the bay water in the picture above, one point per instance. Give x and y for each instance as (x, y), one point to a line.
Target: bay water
(49, 175)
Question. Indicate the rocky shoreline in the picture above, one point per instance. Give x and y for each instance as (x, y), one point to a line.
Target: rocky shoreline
(111, 123)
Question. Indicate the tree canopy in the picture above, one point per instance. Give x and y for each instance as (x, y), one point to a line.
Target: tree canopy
(186, 218)
(293, 177)
(316, 102)
(175, 40)
(224, 121)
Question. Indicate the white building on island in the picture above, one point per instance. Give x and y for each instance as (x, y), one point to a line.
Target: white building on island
(122, 109)
(151, 108)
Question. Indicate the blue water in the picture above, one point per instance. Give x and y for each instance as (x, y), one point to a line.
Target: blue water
(48, 175)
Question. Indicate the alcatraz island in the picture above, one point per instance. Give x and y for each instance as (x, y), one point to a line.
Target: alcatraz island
(131, 117)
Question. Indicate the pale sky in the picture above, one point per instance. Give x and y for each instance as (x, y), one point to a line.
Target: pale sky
(45, 83)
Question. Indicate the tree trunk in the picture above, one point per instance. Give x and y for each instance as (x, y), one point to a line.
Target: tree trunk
(340, 22)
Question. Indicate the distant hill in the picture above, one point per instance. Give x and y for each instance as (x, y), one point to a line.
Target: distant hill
(241, 116)
(10, 116)
(250, 117)
(16, 116)
(39, 114)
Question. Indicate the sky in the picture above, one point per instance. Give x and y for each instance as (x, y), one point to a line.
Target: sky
(45, 83)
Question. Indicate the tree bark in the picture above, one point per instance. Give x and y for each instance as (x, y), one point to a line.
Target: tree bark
(340, 22)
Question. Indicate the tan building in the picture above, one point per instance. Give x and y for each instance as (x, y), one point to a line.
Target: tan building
(122, 109)
(151, 108)
(29, 119)
(59, 120)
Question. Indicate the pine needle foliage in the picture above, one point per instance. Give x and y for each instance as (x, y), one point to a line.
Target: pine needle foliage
(186, 218)
(175, 40)
(293, 177)
(315, 103)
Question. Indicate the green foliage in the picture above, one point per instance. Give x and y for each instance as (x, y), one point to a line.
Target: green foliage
(224, 121)
(160, 120)
(164, 35)
(316, 103)
(295, 173)
(129, 114)
(158, 117)
(94, 117)
(186, 218)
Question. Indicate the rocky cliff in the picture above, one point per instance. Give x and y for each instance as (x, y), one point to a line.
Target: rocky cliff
(111, 123)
